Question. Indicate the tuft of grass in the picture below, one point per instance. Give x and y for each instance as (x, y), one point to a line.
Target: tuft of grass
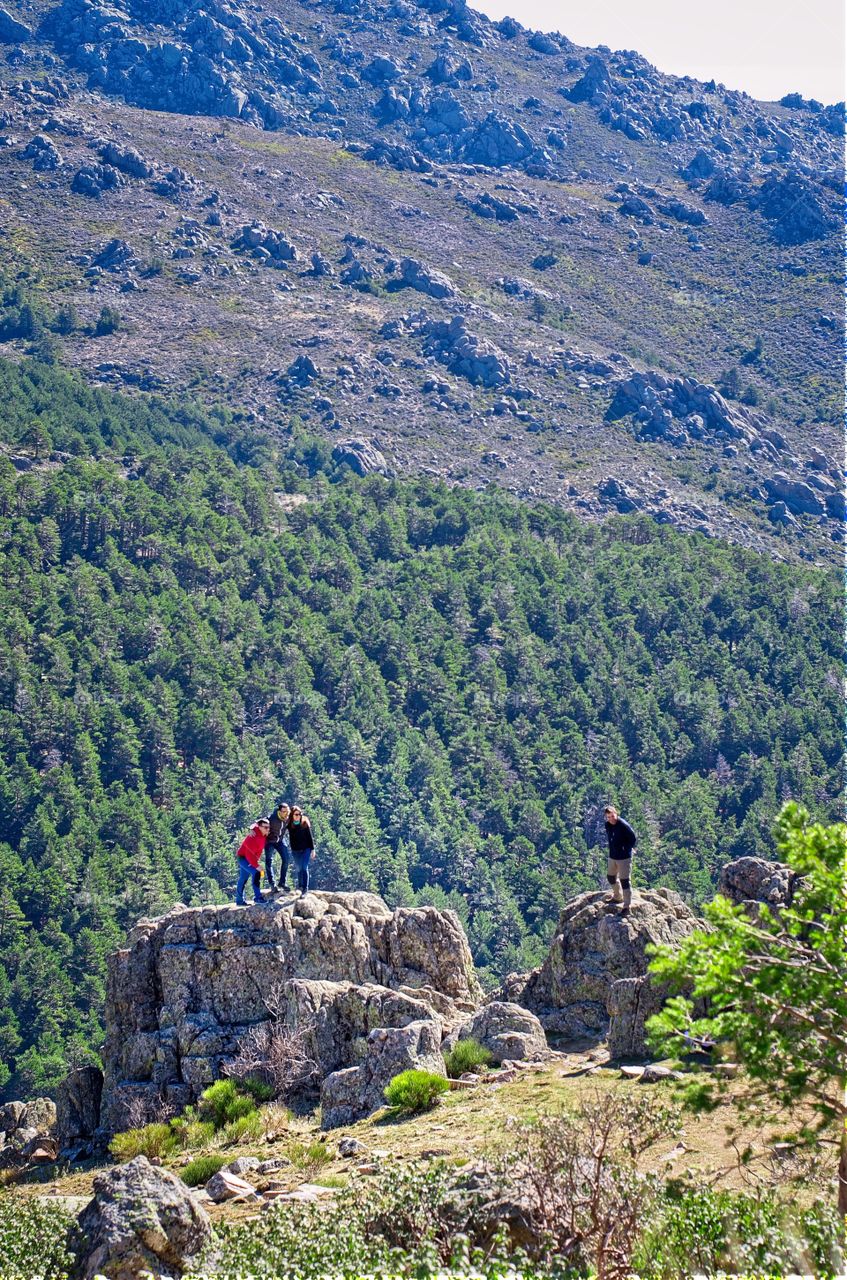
(153, 1141)
(415, 1091)
(308, 1156)
(467, 1055)
(201, 1169)
(249, 1128)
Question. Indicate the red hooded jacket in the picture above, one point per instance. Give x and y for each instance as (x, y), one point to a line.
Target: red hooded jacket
(253, 846)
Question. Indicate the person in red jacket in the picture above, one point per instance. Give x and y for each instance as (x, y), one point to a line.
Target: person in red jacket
(251, 849)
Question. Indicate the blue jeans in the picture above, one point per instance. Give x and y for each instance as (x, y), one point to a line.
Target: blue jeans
(283, 851)
(245, 873)
(301, 862)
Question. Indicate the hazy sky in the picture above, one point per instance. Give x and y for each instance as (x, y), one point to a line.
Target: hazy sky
(766, 47)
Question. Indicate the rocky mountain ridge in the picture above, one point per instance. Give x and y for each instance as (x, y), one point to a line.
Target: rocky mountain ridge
(477, 251)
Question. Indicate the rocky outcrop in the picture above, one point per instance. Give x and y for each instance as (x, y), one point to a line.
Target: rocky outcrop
(12, 31)
(755, 880)
(594, 949)
(362, 456)
(347, 1096)
(78, 1106)
(679, 410)
(436, 284)
(506, 1030)
(265, 244)
(190, 986)
(141, 1219)
(27, 1133)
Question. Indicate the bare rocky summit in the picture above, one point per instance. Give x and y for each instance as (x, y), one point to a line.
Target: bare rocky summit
(593, 983)
(189, 986)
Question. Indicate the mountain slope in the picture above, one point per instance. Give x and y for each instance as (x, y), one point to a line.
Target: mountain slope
(595, 221)
(452, 684)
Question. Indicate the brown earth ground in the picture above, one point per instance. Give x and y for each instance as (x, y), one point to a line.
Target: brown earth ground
(473, 1122)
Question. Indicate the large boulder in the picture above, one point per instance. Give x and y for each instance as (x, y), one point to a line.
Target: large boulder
(506, 1030)
(594, 948)
(78, 1105)
(140, 1219)
(191, 985)
(436, 284)
(630, 1003)
(352, 1094)
(755, 880)
(362, 456)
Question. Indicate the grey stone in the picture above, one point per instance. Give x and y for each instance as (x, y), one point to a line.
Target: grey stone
(78, 1105)
(593, 949)
(506, 1030)
(188, 986)
(352, 1094)
(757, 880)
(362, 456)
(140, 1219)
(426, 279)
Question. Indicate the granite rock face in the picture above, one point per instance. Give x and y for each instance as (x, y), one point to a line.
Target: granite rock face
(506, 1030)
(594, 949)
(78, 1105)
(349, 1095)
(189, 986)
(140, 1219)
(755, 880)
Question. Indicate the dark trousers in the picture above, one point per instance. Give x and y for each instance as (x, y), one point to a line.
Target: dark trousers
(282, 850)
(300, 858)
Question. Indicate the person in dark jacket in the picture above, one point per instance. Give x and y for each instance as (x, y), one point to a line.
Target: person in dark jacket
(249, 854)
(302, 846)
(622, 839)
(277, 842)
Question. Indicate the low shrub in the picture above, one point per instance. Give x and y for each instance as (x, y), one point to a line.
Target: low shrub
(33, 1239)
(258, 1090)
(223, 1102)
(711, 1232)
(249, 1128)
(192, 1134)
(201, 1169)
(308, 1156)
(467, 1055)
(415, 1091)
(152, 1140)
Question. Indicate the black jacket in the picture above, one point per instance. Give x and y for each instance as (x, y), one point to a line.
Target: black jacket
(300, 836)
(278, 828)
(621, 839)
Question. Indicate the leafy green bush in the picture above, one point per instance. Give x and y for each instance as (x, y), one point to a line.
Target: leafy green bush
(258, 1090)
(708, 1232)
(192, 1134)
(153, 1141)
(201, 1169)
(415, 1091)
(467, 1055)
(224, 1102)
(33, 1240)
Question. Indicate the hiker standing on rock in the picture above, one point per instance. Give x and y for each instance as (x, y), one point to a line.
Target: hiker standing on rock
(249, 853)
(302, 846)
(622, 840)
(278, 841)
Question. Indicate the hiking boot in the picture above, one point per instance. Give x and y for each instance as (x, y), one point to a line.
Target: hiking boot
(613, 899)
(624, 911)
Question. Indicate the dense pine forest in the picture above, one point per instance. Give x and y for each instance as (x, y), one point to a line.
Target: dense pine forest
(197, 620)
